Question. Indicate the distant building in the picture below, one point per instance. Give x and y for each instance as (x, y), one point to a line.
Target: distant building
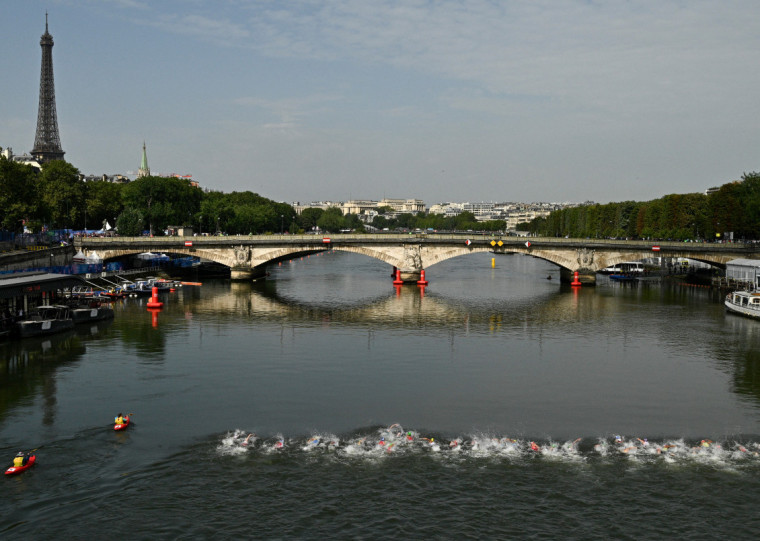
(358, 206)
(117, 178)
(25, 159)
(401, 206)
(482, 211)
(324, 205)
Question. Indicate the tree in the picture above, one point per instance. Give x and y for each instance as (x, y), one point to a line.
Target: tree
(331, 220)
(62, 195)
(309, 218)
(102, 202)
(18, 194)
(130, 222)
(163, 201)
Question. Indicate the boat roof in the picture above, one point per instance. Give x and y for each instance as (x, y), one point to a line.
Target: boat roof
(744, 262)
(18, 285)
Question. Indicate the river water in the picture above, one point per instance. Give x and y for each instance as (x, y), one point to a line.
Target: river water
(325, 356)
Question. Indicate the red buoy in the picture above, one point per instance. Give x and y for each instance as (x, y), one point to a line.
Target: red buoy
(575, 281)
(422, 281)
(154, 302)
(398, 281)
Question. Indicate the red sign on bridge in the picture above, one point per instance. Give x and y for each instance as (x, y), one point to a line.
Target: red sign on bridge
(655, 248)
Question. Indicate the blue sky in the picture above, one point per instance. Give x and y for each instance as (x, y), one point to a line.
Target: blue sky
(469, 100)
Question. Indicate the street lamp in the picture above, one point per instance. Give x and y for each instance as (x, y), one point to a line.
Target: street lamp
(281, 228)
(200, 226)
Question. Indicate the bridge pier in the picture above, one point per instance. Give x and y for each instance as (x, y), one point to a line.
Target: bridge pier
(585, 276)
(410, 276)
(241, 273)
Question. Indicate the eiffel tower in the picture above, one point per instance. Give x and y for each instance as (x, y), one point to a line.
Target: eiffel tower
(47, 144)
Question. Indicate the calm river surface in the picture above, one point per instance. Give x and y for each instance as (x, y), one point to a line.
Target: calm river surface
(320, 360)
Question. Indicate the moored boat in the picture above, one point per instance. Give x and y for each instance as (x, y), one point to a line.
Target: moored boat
(622, 277)
(746, 303)
(47, 320)
(93, 311)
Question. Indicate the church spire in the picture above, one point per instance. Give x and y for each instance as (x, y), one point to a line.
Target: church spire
(144, 169)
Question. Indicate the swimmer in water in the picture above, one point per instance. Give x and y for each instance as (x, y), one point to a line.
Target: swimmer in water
(280, 443)
(534, 446)
(644, 442)
(248, 439)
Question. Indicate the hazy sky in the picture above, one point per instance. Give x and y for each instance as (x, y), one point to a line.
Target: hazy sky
(450, 100)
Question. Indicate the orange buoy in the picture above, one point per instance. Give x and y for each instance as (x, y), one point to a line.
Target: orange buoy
(154, 302)
(398, 281)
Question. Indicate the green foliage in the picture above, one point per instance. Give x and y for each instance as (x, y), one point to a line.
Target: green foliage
(331, 220)
(735, 207)
(243, 213)
(62, 195)
(163, 201)
(130, 222)
(18, 195)
(309, 218)
(103, 202)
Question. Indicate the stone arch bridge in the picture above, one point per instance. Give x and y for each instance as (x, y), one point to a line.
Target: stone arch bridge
(248, 256)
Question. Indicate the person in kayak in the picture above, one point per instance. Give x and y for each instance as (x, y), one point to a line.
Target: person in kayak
(119, 419)
(21, 459)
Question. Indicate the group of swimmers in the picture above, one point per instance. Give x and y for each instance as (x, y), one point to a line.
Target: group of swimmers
(394, 438)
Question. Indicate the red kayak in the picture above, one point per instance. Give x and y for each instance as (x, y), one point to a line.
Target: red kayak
(14, 470)
(122, 426)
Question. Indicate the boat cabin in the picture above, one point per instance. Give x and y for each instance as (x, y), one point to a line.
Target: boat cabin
(625, 267)
(746, 271)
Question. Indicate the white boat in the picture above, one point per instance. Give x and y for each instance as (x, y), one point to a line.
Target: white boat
(47, 320)
(626, 267)
(746, 303)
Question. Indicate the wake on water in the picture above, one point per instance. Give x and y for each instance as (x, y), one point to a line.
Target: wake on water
(395, 441)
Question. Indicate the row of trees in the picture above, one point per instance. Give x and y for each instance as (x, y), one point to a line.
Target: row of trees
(58, 198)
(333, 220)
(733, 208)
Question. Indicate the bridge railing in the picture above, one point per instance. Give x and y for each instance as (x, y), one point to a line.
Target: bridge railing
(151, 243)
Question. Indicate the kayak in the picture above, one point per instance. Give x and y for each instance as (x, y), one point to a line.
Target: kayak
(122, 426)
(14, 470)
